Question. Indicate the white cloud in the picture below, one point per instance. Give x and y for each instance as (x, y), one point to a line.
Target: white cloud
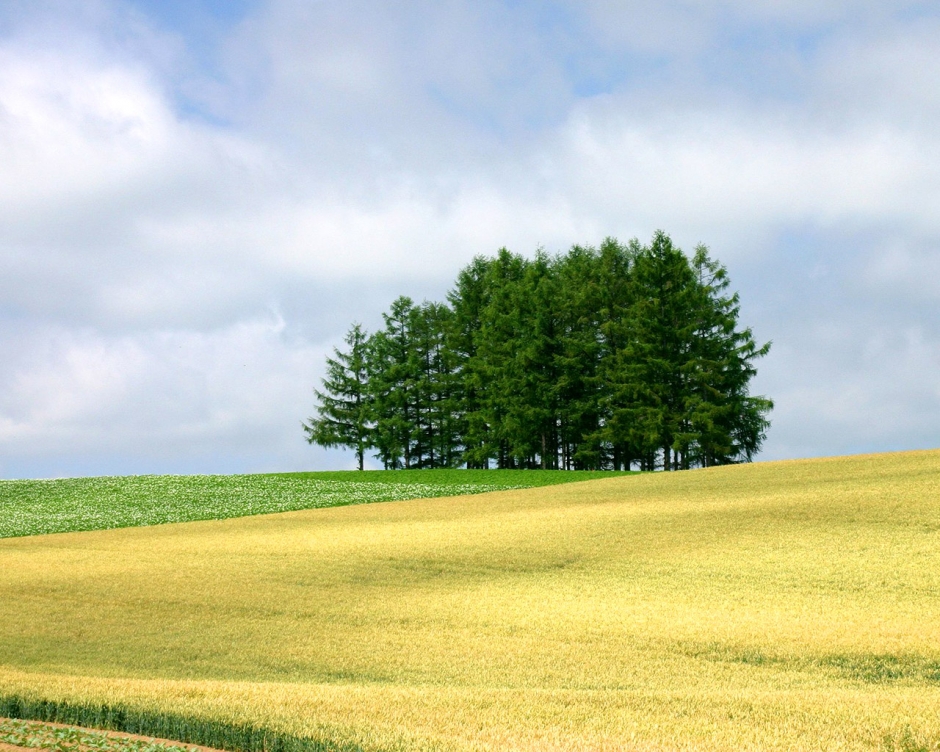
(885, 74)
(903, 269)
(357, 152)
(75, 133)
(166, 395)
(728, 171)
(842, 388)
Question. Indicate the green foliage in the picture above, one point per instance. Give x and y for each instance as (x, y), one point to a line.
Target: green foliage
(468, 300)
(41, 735)
(345, 410)
(507, 359)
(393, 370)
(414, 387)
(598, 359)
(438, 405)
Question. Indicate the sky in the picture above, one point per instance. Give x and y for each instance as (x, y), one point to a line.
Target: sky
(198, 197)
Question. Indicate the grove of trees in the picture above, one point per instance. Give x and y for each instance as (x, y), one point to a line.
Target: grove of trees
(617, 357)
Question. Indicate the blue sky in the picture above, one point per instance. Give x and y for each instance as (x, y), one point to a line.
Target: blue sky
(198, 198)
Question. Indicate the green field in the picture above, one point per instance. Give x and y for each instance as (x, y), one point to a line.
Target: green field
(44, 736)
(773, 606)
(37, 507)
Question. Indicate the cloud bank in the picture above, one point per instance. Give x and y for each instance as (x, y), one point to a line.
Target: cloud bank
(195, 206)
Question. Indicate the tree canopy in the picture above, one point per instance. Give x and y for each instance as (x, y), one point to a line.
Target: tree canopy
(621, 356)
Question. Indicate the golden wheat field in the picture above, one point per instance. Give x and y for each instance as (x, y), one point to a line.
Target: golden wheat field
(774, 606)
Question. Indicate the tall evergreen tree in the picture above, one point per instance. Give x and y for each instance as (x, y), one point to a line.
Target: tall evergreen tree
(437, 442)
(495, 361)
(660, 333)
(394, 372)
(344, 413)
(726, 423)
(614, 392)
(527, 366)
(579, 348)
(468, 299)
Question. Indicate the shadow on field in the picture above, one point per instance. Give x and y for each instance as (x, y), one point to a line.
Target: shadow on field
(866, 668)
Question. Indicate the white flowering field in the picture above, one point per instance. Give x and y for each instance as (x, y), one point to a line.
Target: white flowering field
(36, 507)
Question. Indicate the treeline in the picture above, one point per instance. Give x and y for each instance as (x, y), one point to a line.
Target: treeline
(617, 357)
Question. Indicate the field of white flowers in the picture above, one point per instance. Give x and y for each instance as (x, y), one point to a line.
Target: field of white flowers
(37, 507)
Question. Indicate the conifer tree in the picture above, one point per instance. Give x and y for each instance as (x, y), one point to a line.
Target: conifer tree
(727, 423)
(393, 379)
(495, 361)
(344, 417)
(580, 305)
(530, 393)
(438, 406)
(467, 301)
(660, 333)
(616, 290)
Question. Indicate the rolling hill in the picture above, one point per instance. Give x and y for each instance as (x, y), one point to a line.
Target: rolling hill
(774, 606)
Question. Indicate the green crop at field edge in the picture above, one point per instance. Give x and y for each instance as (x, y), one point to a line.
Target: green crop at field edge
(38, 507)
(39, 735)
(15, 729)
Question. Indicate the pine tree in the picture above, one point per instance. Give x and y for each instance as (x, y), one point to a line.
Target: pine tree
(727, 424)
(660, 333)
(495, 362)
(344, 413)
(394, 373)
(614, 392)
(438, 409)
(467, 301)
(531, 404)
(581, 305)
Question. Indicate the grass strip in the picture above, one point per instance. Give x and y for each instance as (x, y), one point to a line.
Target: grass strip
(202, 732)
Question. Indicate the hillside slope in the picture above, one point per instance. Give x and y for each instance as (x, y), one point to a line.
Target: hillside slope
(790, 605)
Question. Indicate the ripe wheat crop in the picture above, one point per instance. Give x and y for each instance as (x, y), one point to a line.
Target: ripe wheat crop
(774, 606)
